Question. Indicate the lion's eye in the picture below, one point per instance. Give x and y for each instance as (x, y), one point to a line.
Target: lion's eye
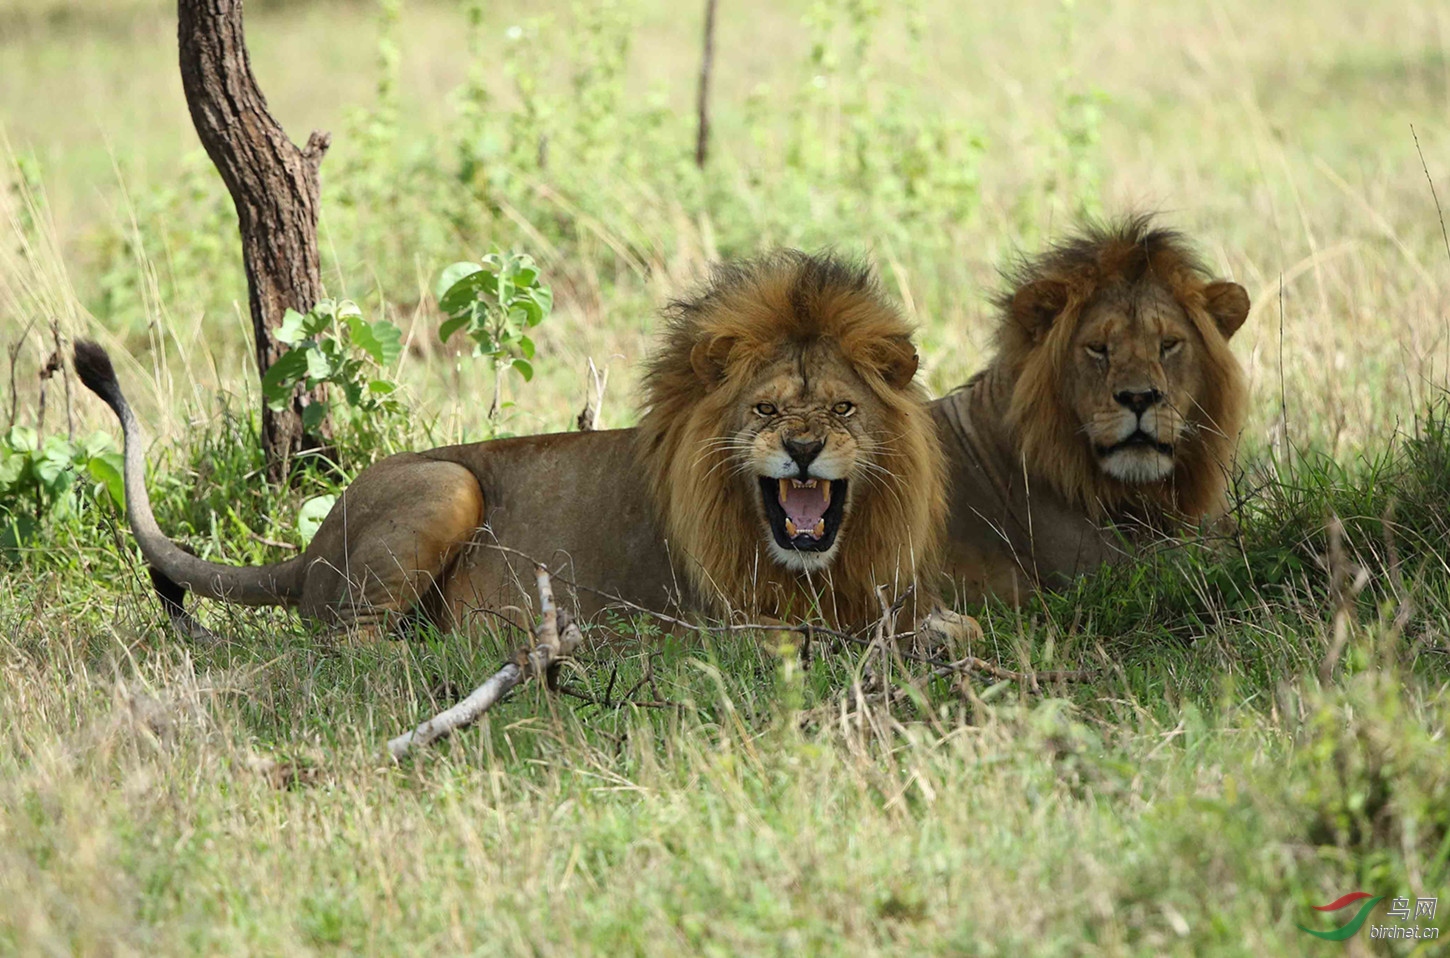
(843, 408)
(1097, 350)
(1169, 347)
(764, 409)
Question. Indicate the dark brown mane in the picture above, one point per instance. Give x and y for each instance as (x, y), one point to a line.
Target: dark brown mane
(1098, 253)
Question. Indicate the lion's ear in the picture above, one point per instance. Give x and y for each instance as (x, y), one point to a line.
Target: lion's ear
(708, 359)
(899, 362)
(1037, 304)
(1228, 304)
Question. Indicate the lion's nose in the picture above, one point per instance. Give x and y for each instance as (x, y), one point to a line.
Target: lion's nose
(804, 451)
(1138, 400)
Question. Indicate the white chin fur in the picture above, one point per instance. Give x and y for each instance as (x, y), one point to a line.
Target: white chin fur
(798, 561)
(1137, 465)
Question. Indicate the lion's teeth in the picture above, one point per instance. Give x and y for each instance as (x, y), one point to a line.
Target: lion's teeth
(826, 494)
(789, 527)
(820, 528)
(784, 489)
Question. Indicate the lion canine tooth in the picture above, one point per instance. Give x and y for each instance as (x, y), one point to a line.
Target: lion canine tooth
(820, 528)
(826, 494)
(784, 489)
(789, 527)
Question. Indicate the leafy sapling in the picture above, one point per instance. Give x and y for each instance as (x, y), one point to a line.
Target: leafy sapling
(331, 343)
(495, 302)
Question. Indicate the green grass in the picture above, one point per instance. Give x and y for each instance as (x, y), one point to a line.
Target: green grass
(1224, 770)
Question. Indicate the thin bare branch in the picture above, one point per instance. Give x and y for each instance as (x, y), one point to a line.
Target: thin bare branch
(551, 644)
(702, 106)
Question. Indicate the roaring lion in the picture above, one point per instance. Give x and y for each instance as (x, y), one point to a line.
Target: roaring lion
(1109, 413)
(787, 444)
(786, 465)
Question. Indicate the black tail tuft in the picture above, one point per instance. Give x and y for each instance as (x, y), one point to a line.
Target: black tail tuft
(95, 369)
(171, 593)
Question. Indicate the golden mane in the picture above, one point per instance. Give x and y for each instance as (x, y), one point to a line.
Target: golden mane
(714, 346)
(1130, 251)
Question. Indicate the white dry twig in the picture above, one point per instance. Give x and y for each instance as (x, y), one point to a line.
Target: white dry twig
(550, 644)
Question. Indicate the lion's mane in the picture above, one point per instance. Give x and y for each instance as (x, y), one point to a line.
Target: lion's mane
(1129, 251)
(746, 315)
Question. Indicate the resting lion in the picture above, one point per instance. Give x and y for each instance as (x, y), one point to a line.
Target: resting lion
(1111, 411)
(786, 465)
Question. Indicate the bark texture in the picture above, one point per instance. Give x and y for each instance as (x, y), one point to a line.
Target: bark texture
(274, 187)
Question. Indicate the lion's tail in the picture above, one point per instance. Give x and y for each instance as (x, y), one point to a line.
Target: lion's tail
(276, 584)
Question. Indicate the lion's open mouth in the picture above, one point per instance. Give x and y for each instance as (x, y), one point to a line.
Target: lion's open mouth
(804, 514)
(1137, 439)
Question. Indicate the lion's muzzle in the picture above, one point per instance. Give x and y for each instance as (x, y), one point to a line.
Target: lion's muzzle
(1139, 445)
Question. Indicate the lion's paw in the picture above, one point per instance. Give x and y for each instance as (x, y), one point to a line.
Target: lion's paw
(946, 631)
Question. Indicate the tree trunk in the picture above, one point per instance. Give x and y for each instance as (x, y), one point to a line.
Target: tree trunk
(707, 63)
(274, 187)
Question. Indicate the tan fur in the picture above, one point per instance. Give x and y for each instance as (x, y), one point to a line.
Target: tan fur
(818, 332)
(1038, 484)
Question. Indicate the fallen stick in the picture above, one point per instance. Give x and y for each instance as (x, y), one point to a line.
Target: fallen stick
(550, 644)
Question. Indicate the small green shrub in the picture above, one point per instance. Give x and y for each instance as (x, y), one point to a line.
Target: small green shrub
(331, 344)
(494, 303)
(41, 479)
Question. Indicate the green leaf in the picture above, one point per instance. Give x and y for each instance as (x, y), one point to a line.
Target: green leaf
(23, 439)
(362, 337)
(53, 473)
(526, 346)
(16, 531)
(96, 443)
(348, 310)
(319, 364)
(310, 516)
(525, 368)
(452, 326)
(281, 376)
(531, 312)
(12, 464)
(319, 320)
(468, 289)
(381, 387)
(313, 415)
(54, 466)
(544, 296)
(107, 469)
(293, 328)
(484, 344)
(389, 339)
(450, 277)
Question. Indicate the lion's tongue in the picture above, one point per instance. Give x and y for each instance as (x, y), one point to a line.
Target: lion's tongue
(805, 507)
